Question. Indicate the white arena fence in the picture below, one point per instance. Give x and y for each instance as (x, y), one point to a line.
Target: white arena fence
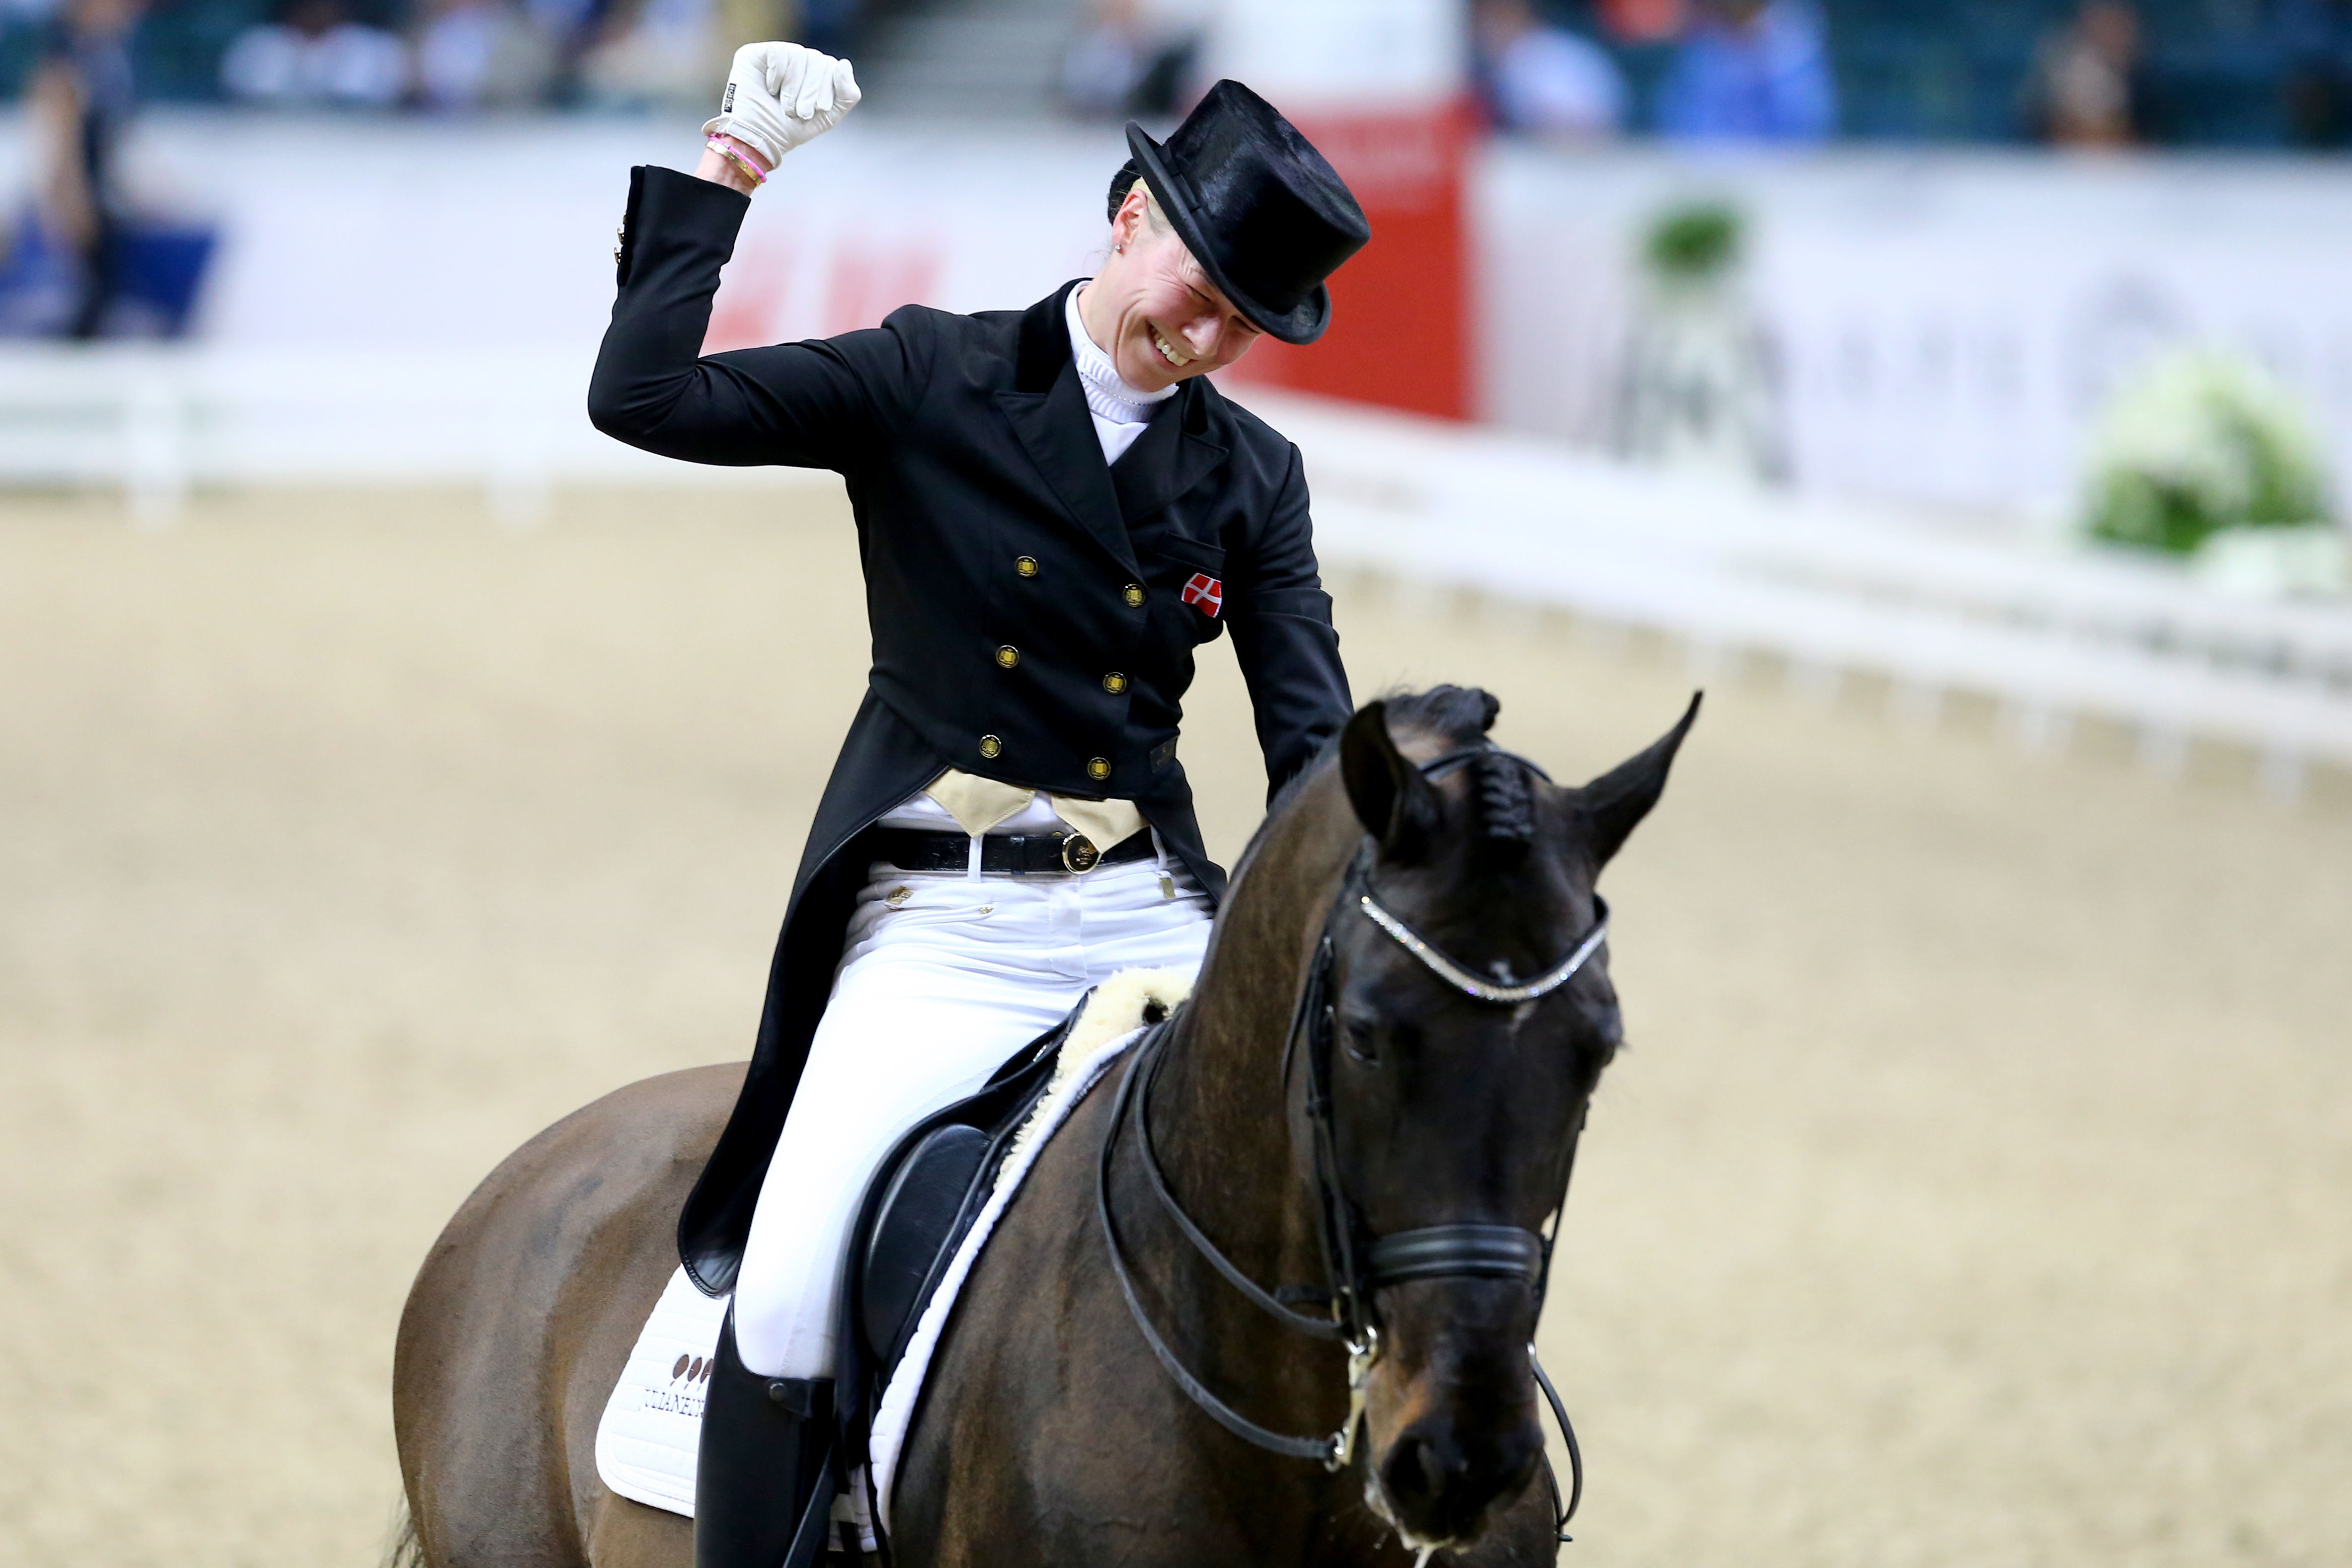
(1829, 587)
(159, 421)
(2052, 634)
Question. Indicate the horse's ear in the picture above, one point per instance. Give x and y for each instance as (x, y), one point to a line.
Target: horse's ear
(1392, 798)
(1616, 802)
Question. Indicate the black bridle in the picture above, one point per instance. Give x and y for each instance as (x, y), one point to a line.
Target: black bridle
(1357, 1263)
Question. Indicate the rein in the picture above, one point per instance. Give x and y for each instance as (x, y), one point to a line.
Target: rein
(1356, 1263)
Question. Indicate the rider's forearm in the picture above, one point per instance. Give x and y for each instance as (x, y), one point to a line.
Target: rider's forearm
(651, 387)
(1283, 639)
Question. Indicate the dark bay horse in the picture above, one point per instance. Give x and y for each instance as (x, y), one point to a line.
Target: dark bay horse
(1364, 1117)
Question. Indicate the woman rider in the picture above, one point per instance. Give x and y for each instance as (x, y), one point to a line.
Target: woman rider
(1054, 508)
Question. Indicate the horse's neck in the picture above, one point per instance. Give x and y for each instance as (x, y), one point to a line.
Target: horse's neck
(1219, 1113)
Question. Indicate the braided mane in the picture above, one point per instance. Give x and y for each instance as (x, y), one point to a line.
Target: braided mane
(1507, 810)
(1499, 795)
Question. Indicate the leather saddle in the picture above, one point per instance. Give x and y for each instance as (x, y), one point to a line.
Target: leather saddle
(926, 1193)
(921, 1202)
(919, 1206)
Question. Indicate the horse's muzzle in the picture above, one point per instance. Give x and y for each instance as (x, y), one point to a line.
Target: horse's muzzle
(1453, 1429)
(1441, 1484)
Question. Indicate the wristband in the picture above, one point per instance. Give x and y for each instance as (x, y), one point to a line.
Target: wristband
(727, 150)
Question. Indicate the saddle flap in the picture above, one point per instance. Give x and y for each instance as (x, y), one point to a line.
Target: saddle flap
(912, 1223)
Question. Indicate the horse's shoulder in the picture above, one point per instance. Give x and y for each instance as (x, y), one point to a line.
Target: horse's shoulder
(1055, 1206)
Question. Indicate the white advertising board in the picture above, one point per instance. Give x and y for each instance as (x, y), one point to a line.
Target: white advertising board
(1946, 325)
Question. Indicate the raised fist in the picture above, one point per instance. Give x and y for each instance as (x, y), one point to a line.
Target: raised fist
(780, 95)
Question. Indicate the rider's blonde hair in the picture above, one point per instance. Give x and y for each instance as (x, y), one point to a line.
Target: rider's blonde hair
(1151, 213)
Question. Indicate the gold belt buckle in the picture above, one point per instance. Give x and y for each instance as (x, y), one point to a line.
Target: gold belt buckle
(1079, 855)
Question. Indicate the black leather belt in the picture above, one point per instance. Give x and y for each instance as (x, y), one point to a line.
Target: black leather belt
(1022, 853)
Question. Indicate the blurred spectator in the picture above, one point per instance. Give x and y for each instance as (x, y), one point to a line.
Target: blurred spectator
(2315, 38)
(568, 29)
(1750, 70)
(2083, 92)
(479, 54)
(1542, 81)
(1128, 61)
(315, 54)
(654, 52)
(1641, 21)
(82, 98)
(826, 24)
(740, 22)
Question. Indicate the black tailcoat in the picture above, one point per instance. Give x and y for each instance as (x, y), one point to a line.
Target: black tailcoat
(1023, 598)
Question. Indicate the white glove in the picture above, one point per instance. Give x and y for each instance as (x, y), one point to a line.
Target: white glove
(780, 95)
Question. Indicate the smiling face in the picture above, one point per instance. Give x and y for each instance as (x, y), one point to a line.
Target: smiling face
(1153, 310)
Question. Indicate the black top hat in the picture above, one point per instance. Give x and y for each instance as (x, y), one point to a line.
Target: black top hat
(1261, 210)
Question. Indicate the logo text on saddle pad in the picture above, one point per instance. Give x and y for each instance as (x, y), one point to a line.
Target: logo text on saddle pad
(1205, 593)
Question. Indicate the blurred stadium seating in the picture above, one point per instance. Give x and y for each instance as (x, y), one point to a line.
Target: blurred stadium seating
(1909, 71)
(963, 58)
(2216, 71)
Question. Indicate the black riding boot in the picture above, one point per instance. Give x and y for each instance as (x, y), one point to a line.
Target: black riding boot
(763, 1482)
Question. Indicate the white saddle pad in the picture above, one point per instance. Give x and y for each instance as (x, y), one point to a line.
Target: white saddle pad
(652, 1428)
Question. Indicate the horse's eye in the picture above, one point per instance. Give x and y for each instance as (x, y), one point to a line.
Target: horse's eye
(1357, 1033)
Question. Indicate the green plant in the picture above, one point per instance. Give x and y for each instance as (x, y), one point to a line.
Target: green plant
(1695, 242)
(2203, 441)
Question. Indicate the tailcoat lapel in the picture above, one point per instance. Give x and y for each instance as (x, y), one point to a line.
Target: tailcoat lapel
(1047, 410)
(1176, 451)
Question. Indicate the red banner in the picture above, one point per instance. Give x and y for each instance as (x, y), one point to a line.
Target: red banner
(1399, 310)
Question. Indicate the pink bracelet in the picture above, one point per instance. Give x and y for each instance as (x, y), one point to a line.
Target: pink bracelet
(727, 151)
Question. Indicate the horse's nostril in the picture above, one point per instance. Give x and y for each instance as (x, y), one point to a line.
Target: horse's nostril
(1443, 1486)
(1435, 1472)
(1420, 1468)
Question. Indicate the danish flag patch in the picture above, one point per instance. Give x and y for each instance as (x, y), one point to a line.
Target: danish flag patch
(1205, 593)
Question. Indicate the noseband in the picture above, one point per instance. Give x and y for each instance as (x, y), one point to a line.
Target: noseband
(1357, 1263)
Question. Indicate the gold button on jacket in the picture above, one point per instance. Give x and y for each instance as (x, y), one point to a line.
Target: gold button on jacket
(1025, 565)
(1008, 656)
(1098, 767)
(1114, 683)
(1134, 593)
(989, 746)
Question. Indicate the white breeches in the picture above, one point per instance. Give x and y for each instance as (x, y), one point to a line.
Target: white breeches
(934, 992)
